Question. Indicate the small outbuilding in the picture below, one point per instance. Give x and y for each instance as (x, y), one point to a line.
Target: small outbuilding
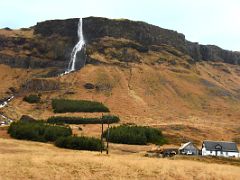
(220, 148)
(169, 152)
(188, 149)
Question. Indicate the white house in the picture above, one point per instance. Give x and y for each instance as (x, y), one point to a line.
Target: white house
(220, 148)
(188, 149)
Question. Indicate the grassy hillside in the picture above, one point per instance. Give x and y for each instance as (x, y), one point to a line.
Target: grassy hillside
(201, 103)
(14, 77)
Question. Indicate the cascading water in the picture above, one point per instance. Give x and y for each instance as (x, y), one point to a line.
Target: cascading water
(77, 48)
(5, 101)
(2, 117)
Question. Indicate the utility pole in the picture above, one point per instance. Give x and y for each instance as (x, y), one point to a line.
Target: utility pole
(108, 136)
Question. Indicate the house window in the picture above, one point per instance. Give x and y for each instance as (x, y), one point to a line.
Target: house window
(218, 147)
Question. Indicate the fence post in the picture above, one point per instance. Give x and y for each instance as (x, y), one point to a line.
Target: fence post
(102, 136)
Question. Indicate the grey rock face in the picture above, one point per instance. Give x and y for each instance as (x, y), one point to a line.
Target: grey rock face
(29, 62)
(38, 84)
(54, 40)
(141, 32)
(212, 53)
(94, 28)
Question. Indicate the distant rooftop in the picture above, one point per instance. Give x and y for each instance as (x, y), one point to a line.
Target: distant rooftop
(221, 146)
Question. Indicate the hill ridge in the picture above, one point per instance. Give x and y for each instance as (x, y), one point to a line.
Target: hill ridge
(49, 43)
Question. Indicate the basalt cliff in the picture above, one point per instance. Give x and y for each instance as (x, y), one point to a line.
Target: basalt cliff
(49, 43)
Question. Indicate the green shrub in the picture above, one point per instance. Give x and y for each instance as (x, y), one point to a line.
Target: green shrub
(110, 119)
(80, 120)
(32, 98)
(37, 131)
(52, 133)
(66, 105)
(135, 135)
(79, 143)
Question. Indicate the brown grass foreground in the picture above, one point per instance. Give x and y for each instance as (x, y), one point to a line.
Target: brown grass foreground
(32, 160)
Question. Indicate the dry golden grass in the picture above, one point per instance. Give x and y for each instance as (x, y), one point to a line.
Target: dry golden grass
(210, 159)
(14, 77)
(17, 33)
(32, 160)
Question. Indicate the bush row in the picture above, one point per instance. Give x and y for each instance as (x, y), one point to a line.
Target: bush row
(80, 120)
(66, 105)
(38, 131)
(33, 98)
(135, 135)
(79, 143)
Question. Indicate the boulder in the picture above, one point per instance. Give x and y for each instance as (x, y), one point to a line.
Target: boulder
(27, 119)
(89, 86)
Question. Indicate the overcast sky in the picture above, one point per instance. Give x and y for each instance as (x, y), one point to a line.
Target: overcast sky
(205, 21)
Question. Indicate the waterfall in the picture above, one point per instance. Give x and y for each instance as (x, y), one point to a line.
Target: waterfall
(5, 101)
(3, 119)
(78, 47)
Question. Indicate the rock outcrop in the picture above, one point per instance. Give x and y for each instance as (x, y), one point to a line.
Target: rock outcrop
(29, 62)
(95, 28)
(40, 84)
(27, 119)
(143, 33)
(212, 53)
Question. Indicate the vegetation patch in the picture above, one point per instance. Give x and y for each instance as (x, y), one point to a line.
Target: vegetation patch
(60, 135)
(138, 135)
(32, 98)
(80, 120)
(38, 131)
(79, 143)
(66, 105)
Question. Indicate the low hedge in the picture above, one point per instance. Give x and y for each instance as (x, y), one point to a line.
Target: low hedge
(33, 98)
(80, 120)
(110, 119)
(38, 131)
(138, 135)
(66, 105)
(79, 143)
(60, 135)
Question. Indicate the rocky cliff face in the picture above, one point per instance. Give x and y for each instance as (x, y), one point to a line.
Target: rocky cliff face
(141, 32)
(94, 28)
(29, 62)
(34, 51)
(212, 53)
(52, 41)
